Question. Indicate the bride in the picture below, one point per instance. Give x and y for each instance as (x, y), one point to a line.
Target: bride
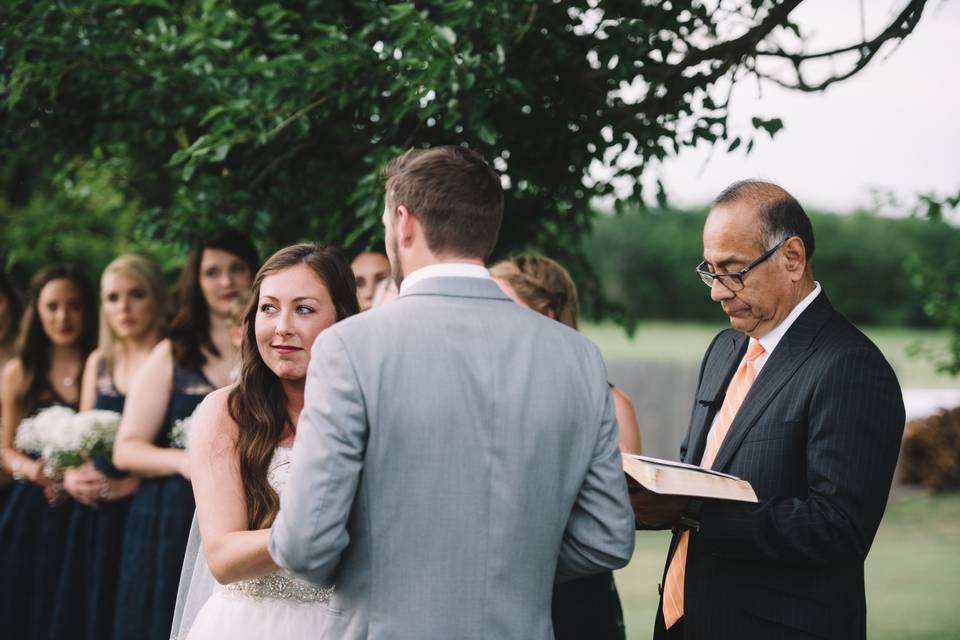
(240, 444)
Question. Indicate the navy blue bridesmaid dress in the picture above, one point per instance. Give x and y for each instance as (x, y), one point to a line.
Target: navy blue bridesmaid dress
(84, 605)
(155, 537)
(588, 608)
(32, 544)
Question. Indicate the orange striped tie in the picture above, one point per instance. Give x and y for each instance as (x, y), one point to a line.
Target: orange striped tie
(736, 392)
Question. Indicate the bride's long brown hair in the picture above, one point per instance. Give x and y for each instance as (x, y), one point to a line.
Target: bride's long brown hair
(258, 403)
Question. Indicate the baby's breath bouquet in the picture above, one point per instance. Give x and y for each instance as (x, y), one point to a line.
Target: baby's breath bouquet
(91, 434)
(180, 433)
(36, 433)
(64, 438)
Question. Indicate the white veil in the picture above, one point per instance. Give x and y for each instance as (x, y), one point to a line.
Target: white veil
(196, 585)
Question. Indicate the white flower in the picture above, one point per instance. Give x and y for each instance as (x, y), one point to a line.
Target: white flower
(64, 438)
(180, 433)
(40, 431)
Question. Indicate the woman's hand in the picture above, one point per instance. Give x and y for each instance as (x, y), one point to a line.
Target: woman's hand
(85, 484)
(184, 465)
(54, 493)
(35, 472)
(117, 488)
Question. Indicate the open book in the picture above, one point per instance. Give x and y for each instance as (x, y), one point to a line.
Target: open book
(677, 478)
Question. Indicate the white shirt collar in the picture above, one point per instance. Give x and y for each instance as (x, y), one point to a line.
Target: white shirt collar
(443, 270)
(773, 337)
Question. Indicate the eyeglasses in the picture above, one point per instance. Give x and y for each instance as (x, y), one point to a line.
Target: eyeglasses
(733, 280)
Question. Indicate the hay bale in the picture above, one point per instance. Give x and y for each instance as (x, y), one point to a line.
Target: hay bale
(931, 451)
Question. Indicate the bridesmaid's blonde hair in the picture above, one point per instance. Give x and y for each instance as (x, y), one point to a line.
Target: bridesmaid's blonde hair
(542, 284)
(148, 274)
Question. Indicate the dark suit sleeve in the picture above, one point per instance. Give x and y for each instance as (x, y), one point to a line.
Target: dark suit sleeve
(854, 426)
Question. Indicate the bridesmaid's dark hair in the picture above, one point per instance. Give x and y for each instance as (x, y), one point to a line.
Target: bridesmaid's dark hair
(33, 345)
(190, 327)
(258, 403)
(14, 308)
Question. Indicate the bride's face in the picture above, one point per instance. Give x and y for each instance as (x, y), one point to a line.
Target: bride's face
(293, 308)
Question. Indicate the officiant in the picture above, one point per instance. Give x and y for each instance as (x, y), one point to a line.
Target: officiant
(797, 401)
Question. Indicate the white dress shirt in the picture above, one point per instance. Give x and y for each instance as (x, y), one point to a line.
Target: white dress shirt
(444, 270)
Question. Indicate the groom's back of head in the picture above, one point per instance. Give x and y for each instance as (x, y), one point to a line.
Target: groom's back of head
(454, 194)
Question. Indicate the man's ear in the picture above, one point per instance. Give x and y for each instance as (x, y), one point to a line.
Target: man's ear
(407, 224)
(795, 257)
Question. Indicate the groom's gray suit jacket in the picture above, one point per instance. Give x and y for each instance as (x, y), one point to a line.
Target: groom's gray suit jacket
(456, 454)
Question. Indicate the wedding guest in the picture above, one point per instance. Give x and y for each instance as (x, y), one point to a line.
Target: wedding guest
(240, 451)
(59, 330)
(386, 291)
(134, 309)
(369, 268)
(798, 402)
(11, 307)
(588, 607)
(195, 359)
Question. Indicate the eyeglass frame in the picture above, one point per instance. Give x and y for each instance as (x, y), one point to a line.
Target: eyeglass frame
(708, 277)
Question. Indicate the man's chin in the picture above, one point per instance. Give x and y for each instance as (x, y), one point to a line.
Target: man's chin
(743, 324)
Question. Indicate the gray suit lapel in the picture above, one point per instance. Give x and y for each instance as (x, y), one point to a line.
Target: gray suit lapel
(794, 349)
(721, 366)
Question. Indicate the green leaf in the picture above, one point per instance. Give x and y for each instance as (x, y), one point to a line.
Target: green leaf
(486, 133)
(446, 34)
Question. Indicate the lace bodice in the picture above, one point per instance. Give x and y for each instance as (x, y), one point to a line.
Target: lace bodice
(279, 585)
(279, 471)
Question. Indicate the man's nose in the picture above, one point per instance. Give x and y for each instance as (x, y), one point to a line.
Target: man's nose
(719, 292)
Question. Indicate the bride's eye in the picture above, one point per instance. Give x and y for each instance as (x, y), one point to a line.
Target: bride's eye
(304, 309)
(267, 307)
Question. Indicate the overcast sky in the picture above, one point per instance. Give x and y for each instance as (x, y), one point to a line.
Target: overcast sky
(895, 126)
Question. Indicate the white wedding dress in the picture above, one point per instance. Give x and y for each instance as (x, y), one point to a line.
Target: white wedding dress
(273, 606)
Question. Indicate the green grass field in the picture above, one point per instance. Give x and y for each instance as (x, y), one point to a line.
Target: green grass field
(912, 574)
(686, 342)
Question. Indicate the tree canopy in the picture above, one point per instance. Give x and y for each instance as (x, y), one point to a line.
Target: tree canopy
(169, 118)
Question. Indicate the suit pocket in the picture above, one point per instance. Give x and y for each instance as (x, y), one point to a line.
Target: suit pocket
(812, 619)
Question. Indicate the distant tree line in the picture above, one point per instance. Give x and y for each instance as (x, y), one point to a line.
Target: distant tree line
(874, 269)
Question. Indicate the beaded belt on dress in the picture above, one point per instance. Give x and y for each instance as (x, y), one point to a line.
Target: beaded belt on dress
(279, 586)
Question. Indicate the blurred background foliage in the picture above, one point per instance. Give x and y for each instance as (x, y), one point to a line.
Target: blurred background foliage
(871, 266)
(143, 125)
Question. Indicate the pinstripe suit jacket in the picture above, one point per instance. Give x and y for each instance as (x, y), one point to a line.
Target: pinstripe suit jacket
(818, 437)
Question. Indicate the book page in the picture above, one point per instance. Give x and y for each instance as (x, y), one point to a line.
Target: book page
(680, 465)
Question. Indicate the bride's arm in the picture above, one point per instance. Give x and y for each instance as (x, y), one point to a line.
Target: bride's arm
(233, 552)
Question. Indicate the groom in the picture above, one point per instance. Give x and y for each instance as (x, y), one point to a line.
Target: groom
(456, 453)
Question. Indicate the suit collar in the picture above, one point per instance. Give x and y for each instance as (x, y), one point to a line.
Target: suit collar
(456, 287)
(796, 346)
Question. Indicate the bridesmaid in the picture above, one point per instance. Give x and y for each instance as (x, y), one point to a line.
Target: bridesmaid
(588, 607)
(11, 308)
(134, 308)
(59, 331)
(197, 358)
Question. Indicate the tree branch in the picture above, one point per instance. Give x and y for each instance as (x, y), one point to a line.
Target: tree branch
(898, 29)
